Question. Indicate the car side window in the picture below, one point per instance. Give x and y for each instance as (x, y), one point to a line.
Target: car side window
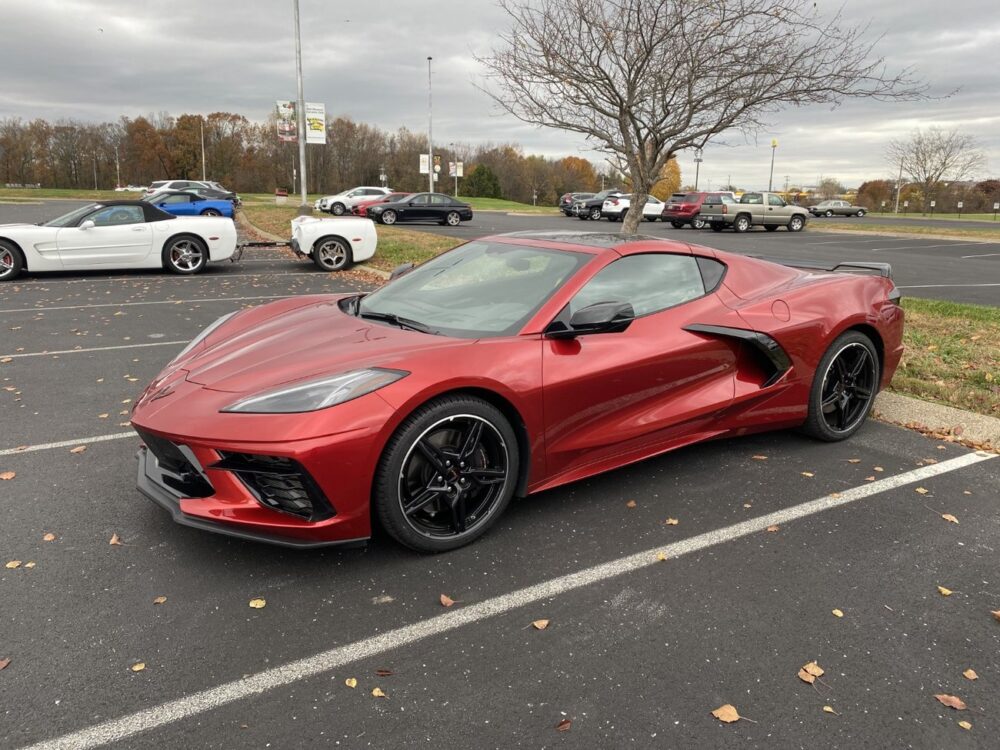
(441, 200)
(774, 200)
(649, 282)
(421, 200)
(171, 199)
(752, 198)
(116, 215)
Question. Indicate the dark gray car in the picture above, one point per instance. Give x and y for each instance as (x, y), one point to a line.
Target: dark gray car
(837, 208)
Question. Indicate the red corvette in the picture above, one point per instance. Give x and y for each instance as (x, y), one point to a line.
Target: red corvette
(509, 365)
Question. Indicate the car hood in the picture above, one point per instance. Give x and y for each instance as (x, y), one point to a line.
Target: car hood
(273, 345)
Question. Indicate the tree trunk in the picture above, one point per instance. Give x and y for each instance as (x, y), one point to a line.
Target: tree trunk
(633, 218)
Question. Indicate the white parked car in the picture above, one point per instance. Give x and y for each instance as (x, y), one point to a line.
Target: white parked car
(614, 208)
(161, 185)
(342, 203)
(334, 244)
(116, 234)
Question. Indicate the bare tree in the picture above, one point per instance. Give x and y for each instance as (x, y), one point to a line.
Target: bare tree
(645, 79)
(829, 187)
(932, 155)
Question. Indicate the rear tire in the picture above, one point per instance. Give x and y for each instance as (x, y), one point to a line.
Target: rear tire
(185, 255)
(697, 222)
(860, 213)
(332, 254)
(844, 388)
(211, 212)
(11, 261)
(452, 219)
(459, 502)
(677, 224)
(741, 223)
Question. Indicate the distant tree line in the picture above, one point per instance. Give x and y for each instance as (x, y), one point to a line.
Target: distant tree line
(248, 157)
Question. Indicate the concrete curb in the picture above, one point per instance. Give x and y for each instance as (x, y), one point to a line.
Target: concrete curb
(913, 412)
(906, 235)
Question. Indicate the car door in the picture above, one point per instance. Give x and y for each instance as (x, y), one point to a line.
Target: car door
(776, 211)
(178, 205)
(418, 208)
(613, 394)
(119, 236)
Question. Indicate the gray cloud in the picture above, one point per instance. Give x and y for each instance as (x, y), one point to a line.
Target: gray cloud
(98, 59)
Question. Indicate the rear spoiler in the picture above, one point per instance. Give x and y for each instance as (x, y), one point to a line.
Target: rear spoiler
(883, 269)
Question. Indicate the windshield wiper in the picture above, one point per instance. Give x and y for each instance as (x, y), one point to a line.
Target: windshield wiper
(413, 325)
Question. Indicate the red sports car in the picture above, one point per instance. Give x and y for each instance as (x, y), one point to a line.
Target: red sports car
(509, 365)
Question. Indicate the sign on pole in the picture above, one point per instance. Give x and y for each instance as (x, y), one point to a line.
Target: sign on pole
(996, 206)
(437, 163)
(455, 169)
(425, 163)
(960, 204)
(933, 203)
(287, 128)
(315, 123)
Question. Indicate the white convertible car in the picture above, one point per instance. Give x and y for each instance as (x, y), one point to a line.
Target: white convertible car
(116, 234)
(334, 244)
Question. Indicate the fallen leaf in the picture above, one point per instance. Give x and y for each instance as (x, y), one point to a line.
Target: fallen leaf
(258, 603)
(837, 613)
(29, 564)
(50, 537)
(540, 624)
(879, 468)
(78, 449)
(772, 528)
(756, 458)
(996, 614)
(970, 674)
(965, 725)
(160, 600)
(13, 564)
(661, 556)
(808, 474)
(138, 666)
(949, 518)
(829, 710)
(564, 725)
(7, 476)
(806, 677)
(115, 539)
(814, 669)
(103, 416)
(351, 682)
(747, 505)
(952, 701)
(869, 479)
(377, 692)
(671, 522)
(921, 490)
(384, 673)
(726, 713)
(4, 663)
(630, 504)
(854, 460)
(944, 592)
(446, 601)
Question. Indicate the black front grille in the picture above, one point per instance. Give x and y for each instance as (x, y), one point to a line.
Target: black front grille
(278, 483)
(176, 471)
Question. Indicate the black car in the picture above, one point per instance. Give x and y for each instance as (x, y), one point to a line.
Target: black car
(568, 199)
(436, 207)
(590, 208)
(220, 195)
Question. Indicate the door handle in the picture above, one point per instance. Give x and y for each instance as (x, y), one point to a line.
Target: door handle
(138, 229)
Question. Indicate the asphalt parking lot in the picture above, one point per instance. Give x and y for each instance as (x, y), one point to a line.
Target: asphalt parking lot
(637, 652)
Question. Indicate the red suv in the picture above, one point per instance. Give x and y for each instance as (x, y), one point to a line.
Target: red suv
(686, 209)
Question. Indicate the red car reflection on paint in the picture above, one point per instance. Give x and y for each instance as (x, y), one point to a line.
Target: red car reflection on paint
(509, 365)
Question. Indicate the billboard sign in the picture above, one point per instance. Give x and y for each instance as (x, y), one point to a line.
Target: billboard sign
(425, 163)
(287, 127)
(455, 169)
(315, 123)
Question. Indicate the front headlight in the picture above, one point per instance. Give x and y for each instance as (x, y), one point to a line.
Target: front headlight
(316, 394)
(202, 336)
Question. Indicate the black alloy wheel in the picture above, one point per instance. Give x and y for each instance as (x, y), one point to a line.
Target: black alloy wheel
(11, 261)
(447, 474)
(843, 388)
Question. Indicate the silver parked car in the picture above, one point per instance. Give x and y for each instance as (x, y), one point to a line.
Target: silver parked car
(837, 208)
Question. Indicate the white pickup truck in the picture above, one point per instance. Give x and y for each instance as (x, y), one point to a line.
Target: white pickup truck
(768, 210)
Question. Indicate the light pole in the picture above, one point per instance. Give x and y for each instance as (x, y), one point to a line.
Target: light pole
(300, 113)
(118, 171)
(203, 149)
(697, 166)
(770, 180)
(430, 130)
(454, 155)
(899, 185)
(95, 170)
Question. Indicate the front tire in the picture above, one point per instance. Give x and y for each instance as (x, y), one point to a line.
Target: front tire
(185, 255)
(844, 388)
(11, 261)
(447, 474)
(388, 217)
(677, 224)
(332, 254)
(595, 214)
(338, 209)
(796, 224)
(828, 213)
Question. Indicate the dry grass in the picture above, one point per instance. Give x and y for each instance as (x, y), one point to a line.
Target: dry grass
(952, 355)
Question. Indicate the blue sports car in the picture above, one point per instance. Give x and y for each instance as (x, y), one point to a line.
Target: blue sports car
(184, 203)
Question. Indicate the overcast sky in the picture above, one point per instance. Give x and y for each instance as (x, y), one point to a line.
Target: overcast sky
(98, 59)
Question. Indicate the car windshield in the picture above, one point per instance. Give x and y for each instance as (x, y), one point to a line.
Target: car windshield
(70, 219)
(478, 290)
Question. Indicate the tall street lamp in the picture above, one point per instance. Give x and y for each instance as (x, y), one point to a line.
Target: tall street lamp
(697, 166)
(300, 113)
(770, 180)
(430, 131)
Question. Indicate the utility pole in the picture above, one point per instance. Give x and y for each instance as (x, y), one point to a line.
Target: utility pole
(95, 170)
(300, 114)
(430, 130)
(899, 185)
(203, 149)
(697, 166)
(118, 171)
(770, 180)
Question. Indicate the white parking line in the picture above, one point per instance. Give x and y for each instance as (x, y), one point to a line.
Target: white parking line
(136, 304)
(942, 286)
(859, 239)
(66, 443)
(923, 247)
(987, 255)
(92, 349)
(253, 685)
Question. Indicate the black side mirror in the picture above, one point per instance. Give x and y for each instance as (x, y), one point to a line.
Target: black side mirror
(400, 270)
(601, 317)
